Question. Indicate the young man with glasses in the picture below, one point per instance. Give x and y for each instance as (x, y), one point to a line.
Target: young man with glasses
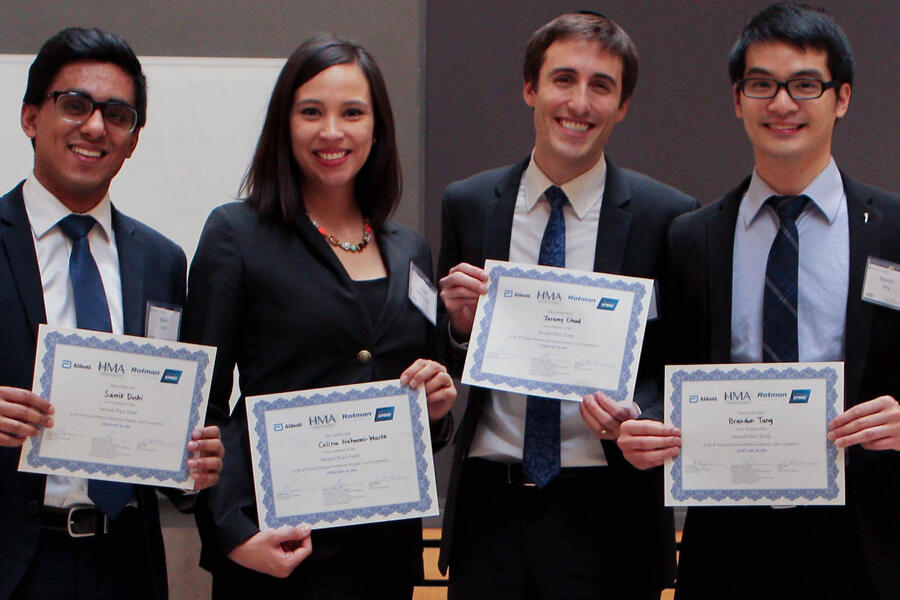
(84, 106)
(792, 75)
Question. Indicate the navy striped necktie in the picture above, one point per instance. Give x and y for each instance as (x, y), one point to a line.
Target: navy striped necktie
(780, 338)
(92, 312)
(540, 454)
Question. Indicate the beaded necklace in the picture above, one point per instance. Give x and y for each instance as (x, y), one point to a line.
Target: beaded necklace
(346, 246)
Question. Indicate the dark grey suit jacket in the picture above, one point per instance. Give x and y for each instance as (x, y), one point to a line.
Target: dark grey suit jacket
(701, 247)
(477, 216)
(151, 268)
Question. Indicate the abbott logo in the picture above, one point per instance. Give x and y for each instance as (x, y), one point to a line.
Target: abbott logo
(278, 427)
(799, 396)
(67, 364)
(171, 376)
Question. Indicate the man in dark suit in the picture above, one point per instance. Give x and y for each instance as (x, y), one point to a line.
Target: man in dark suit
(595, 528)
(792, 71)
(83, 109)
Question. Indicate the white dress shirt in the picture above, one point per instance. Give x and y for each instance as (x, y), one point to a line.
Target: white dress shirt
(501, 429)
(53, 248)
(823, 276)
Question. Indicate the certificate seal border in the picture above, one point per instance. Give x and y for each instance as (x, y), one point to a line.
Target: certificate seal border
(54, 339)
(619, 394)
(421, 505)
(830, 376)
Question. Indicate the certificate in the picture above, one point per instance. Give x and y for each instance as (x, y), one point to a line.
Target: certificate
(343, 455)
(558, 333)
(754, 434)
(125, 406)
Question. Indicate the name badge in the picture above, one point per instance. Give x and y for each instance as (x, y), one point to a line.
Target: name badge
(163, 321)
(422, 293)
(882, 283)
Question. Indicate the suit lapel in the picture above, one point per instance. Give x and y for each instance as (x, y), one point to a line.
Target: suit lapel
(498, 228)
(397, 262)
(719, 240)
(19, 247)
(865, 224)
(131, 270)
(615, 222)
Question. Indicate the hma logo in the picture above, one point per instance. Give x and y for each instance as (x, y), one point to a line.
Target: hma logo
(799, 396)
(608, 304)
(384, 414)
(321, 420)
(108, 367)
(544, 296)
(737, 397)
(171, 376)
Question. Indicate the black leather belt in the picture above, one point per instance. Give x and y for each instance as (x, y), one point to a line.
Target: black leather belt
(512, 474)
(76, 521)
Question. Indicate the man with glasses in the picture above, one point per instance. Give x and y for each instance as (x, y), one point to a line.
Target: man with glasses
(69, 258)
(799, 221)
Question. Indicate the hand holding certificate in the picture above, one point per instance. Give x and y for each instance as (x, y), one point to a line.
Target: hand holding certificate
(126, 407)
(558, 333)
(754, 434)
(341, 456)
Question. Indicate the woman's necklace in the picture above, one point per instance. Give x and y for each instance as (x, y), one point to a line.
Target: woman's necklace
(347, 246)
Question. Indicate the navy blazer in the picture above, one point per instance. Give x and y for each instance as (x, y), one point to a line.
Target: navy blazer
(476, 218)
(277, 303)
(151, 268)
(701, 246)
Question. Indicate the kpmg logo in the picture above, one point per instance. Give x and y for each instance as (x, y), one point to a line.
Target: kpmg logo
(546, 297)
(384, 414)
(171, 376)
(67, 364)
(737, 397)
(799, 396)
(608, 304)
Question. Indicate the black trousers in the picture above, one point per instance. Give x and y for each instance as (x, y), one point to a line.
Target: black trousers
(106, 567)
(560, 542)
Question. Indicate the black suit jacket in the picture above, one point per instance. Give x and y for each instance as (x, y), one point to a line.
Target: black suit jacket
(701, 248)
(151, 268)
(477, 216)
(277, 303)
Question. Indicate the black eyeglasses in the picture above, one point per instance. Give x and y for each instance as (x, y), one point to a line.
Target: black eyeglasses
(801, 88)
(77, 107)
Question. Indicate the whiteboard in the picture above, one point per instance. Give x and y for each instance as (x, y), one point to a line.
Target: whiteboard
(204, 116)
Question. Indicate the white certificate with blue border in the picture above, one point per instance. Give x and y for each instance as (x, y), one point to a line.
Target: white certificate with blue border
(340, 456)
(558, 333)
(755, 434)
(125, 406)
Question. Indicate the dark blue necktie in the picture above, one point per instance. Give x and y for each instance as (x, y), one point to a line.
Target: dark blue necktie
(92, 312)
(540, 455)
(780, 296)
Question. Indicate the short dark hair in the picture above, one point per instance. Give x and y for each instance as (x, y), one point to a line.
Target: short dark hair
(273, 181)
(587, 26)
(76, 44)
(801, 25)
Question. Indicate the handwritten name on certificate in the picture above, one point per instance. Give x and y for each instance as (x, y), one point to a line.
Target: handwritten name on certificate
(343, 455)
(558, 333)
(125, 406)
(755, 434)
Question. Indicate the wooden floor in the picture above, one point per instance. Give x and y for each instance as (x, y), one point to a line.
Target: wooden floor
(440, 593)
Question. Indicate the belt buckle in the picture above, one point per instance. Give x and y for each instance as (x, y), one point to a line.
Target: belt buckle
(70, 518)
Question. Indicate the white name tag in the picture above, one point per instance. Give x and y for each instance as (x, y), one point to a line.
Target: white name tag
(163, 321)
(882, 283)
(422, 293)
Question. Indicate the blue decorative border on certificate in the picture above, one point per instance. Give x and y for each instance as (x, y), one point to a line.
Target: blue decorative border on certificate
(200, 358)
(828, 374)
(415, 412)
(620, 393)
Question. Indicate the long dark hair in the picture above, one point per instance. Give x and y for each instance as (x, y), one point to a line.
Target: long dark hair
(273, 181)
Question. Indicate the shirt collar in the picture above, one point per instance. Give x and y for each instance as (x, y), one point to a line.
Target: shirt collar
(826, 192)
(583, 192)
(45, 210)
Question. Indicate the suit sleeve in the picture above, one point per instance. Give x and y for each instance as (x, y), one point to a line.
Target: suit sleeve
(449, 353)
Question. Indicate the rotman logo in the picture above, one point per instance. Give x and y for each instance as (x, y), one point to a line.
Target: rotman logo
(171, 376)
(799, 396)
(67, 364)
(384, 414)
(608, 304)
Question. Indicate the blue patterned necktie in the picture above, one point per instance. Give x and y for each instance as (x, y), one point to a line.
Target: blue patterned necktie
(780, 297)
(92, 312)
(540, 455)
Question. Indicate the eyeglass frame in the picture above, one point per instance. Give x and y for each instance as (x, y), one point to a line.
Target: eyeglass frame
(826, 85)
(55, 96)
